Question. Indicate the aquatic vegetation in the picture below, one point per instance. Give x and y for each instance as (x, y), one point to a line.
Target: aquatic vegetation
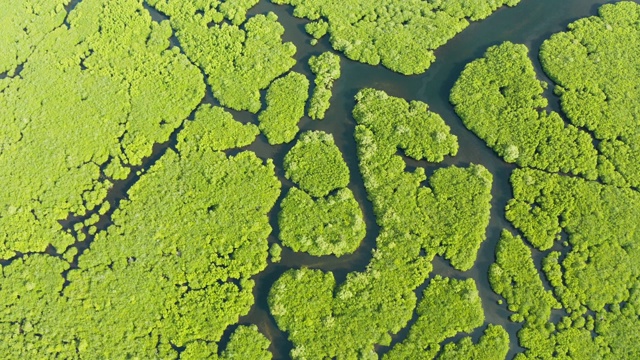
(133, 222)
(323, 218)
(238, 59)
(325, 319)
(595, 70)
(515, 277)
(499, 98)
(315, 163)
(23, 28)
(586, 224)
(325, 226)
(80, 113)
(448, 306)
(286, 98)
(421, 134)
(275, 252)
(216, 129)
(173, 269)
(326, 67)
(493, 344)
(245, 343)
(399, 34)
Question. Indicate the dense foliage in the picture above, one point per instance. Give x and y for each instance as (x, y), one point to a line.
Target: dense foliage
(408, 125)
(311, 220)
(275, 252)
(326, 67)
(400, 34)
(286, 98)
(81, 111)
(499, 98)
(23, 28)
(596, 68)
(238, 58)
(448, 306)
(216, 129)
(115, 246)
(493, 344)
(315, 163)
(326, 320)
(587, 224)
(515, 277)
(173, 270)
(451, 214)
(329, 225)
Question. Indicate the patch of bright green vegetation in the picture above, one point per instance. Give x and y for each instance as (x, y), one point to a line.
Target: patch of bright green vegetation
(419, 132)
(86, 105)
(596, 69)
(246, 342)
(240, 58)
(315, 163)
(86, 99)
(275, 251)
(515, 277)
(286, 98)
(400, 34)
(216, 129)
(589, 226)
(24, 24)
(317, 29)
(327, 320)
(500, 99)
(330, 225)
(452, 213)
(493, 344)
(173, 269)
(326, 67)
(448, 306)
(311, 220)
(601, 222)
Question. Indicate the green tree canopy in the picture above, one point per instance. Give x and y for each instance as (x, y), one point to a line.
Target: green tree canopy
(325, 226)
(400, 34)
(315, 163)
(285, 99)
(326, 67)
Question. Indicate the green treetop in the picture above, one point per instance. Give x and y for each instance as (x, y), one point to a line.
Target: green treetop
(238, 59)
(90, 101)
(500, 99)
(327, 320)
(585, 224)
(330, 225)
(285, 99)
(400, 34)
(448, 306)
(326, 67)
(315, 163)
